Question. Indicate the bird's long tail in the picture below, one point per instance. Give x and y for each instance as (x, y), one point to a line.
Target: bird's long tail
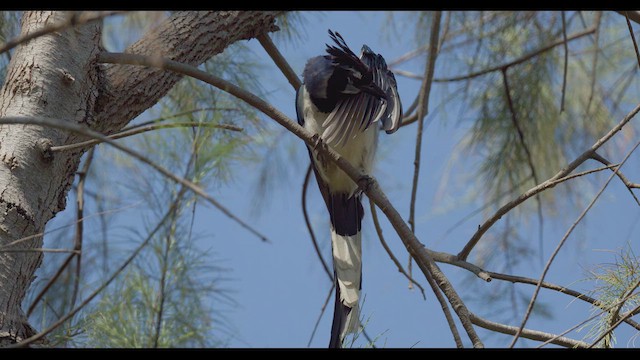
(346, 218)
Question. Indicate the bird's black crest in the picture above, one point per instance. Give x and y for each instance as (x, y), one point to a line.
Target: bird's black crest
(342, 55)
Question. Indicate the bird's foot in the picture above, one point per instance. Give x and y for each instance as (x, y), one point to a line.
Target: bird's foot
(317, 144)
(365, 182)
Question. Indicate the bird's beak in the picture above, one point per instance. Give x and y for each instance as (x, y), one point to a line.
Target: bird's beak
(374, 90)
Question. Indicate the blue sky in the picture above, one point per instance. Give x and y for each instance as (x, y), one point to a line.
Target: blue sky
(280, 287)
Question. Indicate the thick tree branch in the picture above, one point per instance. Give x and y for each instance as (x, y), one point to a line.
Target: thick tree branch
(189, 37)
(74, 19)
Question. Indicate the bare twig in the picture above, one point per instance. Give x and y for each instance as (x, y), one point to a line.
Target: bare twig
(520, 132)
(561, 289)
(526, 333)
(599, 158)
(279, 60)
(616, 324)
(516, 125)
(76, 128)
(82, 176)
(519, 60)
(423, 110)
(27, 238)
(633, 38)
(73, 20)
(49, 283)
(566, 60)
(596, 41)
(603, 309)
(324, 307)
(376, 224)
(305, 186)
(551, 182)
(561, 243)
(142, 129)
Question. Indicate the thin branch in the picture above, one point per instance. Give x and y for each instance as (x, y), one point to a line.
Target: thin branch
(594, 67)
(526, 333)
(551, 182)
(365, 182)
(561, 243)
(376, 223)
(519, 60)
(633, 38)
(163, 280)
(42, 250)
(174, 207)
(423, 110)
(73, 20)
(604, 309)
(182, 113)
(143, 129)
(566, 60)
(324, 307)
(631, 15)
(561, 289)
(76, 128)
(29, 237)
(305, 213)
(279, 60)
(49, 283)
(516, 124)
(615, 319)
(615, 325)
(599, 158)
(410, 75)
(434, 286)
(82, 176)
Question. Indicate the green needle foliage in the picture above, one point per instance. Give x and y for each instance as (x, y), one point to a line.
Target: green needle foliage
(616, 289)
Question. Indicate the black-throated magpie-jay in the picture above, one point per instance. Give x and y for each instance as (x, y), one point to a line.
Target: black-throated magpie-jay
(342, 96)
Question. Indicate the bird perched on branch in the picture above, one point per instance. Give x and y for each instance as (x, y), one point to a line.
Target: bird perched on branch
(342, 100)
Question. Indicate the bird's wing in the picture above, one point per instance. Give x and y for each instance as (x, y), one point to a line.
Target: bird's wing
(385, 79)
(351, 116)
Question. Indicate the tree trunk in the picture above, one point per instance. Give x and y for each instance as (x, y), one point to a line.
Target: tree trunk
(56, 76)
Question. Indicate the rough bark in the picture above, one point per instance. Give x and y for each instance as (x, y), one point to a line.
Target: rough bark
(56, 76)
(42, 80)
(187, 37)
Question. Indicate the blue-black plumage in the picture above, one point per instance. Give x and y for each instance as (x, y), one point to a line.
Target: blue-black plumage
(341, 97)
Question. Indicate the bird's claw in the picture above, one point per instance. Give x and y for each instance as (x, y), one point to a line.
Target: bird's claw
(317, 142)
(365, 182)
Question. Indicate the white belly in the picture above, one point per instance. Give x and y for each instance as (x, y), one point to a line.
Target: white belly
(359, 151)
